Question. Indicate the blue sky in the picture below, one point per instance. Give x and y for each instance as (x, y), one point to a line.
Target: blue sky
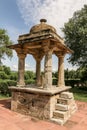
(18, 16)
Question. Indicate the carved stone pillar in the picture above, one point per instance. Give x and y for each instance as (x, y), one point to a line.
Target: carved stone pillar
(48, 70)
(21, 68)
(61, 82)
(38, 71)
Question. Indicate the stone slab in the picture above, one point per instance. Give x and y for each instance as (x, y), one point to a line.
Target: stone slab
(34, 90)
(61, 107)
(59, 121)
(60, 115)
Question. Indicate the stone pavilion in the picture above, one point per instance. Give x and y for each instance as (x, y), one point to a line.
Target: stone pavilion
(42, 99)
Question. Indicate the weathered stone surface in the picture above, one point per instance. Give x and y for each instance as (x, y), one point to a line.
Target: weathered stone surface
(61, 82)
(66, 95)
(59, 121)
(36, 105)
(64, 101)
(61, 107)
(60, 115)
(48, 71)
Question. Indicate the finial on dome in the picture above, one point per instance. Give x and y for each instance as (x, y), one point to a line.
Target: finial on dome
(43, 20)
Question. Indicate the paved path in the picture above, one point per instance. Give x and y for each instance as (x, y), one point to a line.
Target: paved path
(10, 120)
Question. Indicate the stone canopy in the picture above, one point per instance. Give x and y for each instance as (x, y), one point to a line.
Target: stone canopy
(42, 40)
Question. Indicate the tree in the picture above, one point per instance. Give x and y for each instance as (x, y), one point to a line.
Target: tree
(84, 74)
(4, 41)
(7, 70)
(76, 37)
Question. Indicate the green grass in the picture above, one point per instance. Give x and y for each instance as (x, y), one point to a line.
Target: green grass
(4, 96)
(79, 94)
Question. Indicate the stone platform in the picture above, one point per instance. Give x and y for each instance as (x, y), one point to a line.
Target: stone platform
(41, 103)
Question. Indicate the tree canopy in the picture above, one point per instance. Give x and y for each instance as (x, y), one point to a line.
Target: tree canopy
(4, 41)
(75, 31)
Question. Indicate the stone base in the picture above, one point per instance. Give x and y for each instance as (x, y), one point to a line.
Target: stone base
(37, 102)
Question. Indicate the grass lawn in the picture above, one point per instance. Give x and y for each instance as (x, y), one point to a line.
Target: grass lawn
(79, 94)
(3, 97)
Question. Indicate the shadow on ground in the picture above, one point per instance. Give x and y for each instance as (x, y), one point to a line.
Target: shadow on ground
(6, 103)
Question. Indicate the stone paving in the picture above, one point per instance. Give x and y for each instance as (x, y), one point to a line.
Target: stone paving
(10, 120)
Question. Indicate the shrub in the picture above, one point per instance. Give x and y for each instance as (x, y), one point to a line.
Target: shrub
(84, 88)
(72, 82)
(30, 81)
(4, 84)
(3, 75)
(11, 82)
(13, 76)
(3, 87)
(54, 81)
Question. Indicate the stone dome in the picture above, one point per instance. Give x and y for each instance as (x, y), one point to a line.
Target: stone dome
(41, 26)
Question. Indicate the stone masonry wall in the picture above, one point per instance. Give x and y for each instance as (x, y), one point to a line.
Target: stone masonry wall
(36, 105)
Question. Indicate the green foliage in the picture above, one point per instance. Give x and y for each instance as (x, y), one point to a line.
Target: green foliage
(11, 82)
(29, 75)
(76, 36)
(72, 82)
(30, 81)
(3, 75)
(72, 74)
(6, 70)
(4, 84)
(55, 74)
(84, 74)
(4, 87)
(13, 76)
(4, 41)
(79, 94)
(4, 96)
(54, 81)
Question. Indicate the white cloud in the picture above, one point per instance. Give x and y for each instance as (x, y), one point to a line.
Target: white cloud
(26, 66)
(15, 67)
(57, 12)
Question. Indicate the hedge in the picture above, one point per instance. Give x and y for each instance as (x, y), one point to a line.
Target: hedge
(71, 82)
(54, 81)
(30, 81)
(4, 84)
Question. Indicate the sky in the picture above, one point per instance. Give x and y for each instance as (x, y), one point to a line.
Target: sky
(18, 16)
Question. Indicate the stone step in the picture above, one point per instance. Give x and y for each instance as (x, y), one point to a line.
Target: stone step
(61, 107)
(66, 95)
(60, 115)
(58, 121)
(64, 101)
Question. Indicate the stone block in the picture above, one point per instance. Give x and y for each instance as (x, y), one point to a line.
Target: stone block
(62, 107)
(13, 105)
(60, 115)
(66, 95)
(58, 121)
(64, 101)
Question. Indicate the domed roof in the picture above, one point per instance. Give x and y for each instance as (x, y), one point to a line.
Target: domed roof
(42, 26)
